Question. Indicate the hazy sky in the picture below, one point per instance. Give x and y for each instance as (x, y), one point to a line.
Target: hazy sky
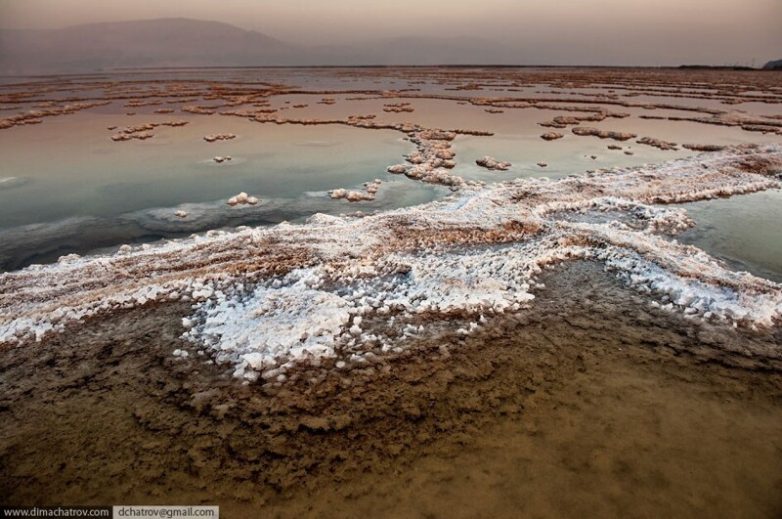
(560, 31)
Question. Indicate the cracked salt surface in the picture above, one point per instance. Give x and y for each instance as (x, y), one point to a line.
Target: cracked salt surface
(266, 299)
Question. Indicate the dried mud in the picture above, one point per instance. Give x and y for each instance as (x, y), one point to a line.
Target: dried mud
(590, 403)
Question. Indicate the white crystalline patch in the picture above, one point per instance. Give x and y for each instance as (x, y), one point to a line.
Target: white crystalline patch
(301, 321)
(272, 326)
(469, 282)
(688, 277)
(475, 253)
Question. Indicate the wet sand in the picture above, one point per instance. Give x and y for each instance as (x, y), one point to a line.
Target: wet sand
(591, 403)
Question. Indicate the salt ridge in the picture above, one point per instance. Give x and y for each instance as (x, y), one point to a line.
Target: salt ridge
(268, 298)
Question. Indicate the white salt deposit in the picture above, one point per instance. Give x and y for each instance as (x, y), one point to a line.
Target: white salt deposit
(268, 298)
(242, 199)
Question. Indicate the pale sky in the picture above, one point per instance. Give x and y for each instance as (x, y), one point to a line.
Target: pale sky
(577, 32)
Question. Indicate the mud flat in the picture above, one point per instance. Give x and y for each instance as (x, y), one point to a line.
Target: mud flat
(592, 395)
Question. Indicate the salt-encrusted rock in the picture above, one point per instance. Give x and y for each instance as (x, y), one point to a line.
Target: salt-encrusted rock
(242, 199)
(657, 143)
(603, 134)
(198, 110)
(703, 147)
(219, 137)
(398, 107)
(141, 131)
(119, 137)
(220, 159)
(397, 169)
(493, 164)
(370, 190)
(551, 136)
(181, 214)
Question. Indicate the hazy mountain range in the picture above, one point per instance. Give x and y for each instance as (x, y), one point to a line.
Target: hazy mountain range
(183, 42)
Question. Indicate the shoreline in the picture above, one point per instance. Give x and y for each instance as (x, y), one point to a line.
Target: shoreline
(181, 433)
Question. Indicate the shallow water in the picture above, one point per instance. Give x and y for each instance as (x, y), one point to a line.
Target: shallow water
(743, 231)
(68, 167)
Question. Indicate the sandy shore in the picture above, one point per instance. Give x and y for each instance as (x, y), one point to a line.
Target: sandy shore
(591, 403)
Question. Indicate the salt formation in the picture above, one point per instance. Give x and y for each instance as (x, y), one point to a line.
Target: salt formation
(141, 131)
(493, 164)
(657, 143)
(242, 199)
(220, 159)
(36, 116)
(219, 137)
(398, 108)
(369, 192)
(703, 147)
(563, 121)
(433, 158)
(551, 136)
(200, 110)
(355, 289)
(603, 134)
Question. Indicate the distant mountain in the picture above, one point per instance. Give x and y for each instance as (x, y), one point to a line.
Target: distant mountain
(145, 43)
(773, 65)
(181, 42)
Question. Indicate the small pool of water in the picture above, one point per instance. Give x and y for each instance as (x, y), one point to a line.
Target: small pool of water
(744, 231)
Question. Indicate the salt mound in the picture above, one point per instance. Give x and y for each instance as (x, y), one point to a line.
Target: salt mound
(603, 134)
(657, 143)
(369, 193)
(242, 199)
(260, 331)
(219, 137)
(493, 164)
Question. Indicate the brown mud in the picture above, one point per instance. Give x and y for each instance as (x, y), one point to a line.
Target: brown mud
(591, 403)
